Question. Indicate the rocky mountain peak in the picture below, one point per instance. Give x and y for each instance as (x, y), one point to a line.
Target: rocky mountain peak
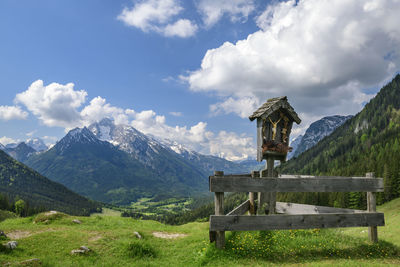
(318, 130)
(37, 144)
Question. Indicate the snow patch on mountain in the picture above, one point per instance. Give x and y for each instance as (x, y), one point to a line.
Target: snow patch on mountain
(37, 144)
(318, 130)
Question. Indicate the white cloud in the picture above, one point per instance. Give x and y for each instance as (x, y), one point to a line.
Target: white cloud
(213, 10)
(176, 113)
(62, 106)
(243, 107)
(146, 15)
(181, 28)
(7, 140)
(54, 104)
(319, 53)
(30, 134)
(157, 16)
(99, 109)
(224, 144)
(12, 113)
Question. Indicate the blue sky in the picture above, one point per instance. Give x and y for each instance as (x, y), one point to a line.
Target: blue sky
(190, 71)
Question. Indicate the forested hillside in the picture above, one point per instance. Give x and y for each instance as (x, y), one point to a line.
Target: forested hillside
(18, 182)
(368, 142)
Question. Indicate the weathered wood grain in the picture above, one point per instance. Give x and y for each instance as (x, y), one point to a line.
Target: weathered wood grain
(371, 207)
(219, 210)
(309, 221)
(238, 183)
(294, 208)
(241, 209)
(252, 195)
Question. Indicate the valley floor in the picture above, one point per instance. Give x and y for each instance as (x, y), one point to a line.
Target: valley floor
(112, 242)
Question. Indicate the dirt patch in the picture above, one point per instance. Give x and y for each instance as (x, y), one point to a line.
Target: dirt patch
(166, 235)
(17, 234)
(95, 238)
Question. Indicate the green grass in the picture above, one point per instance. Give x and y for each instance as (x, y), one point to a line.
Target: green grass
(4, 214)
(113, 243)
(107, 212)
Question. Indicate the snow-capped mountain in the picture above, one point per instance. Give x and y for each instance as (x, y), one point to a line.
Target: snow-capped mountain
(294, 144)
(103, 171)
(128, 139)
(2, 147)
(147, 148)
(318, 130)
(37, 144)
(21, 152)
(77, 136)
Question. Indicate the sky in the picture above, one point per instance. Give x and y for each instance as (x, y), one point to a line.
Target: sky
(190, 71)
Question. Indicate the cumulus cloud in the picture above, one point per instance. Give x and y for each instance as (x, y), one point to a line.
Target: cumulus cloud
(181, 28)
(158, 16)
(176, 113)
(7, 140)
(213, 10)
(99, 109)
(243, 107)
(54, 104)
(63, 106)
(229, 145)
(12, 113)
(321, 54)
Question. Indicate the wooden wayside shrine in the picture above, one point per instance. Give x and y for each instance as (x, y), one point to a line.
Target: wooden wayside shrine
(274, 122)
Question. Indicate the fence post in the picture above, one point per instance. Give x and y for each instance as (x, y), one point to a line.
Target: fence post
(252, 210)
(371, 207)
(219, 210)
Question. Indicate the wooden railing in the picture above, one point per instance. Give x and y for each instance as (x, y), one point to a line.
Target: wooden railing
(294, 216)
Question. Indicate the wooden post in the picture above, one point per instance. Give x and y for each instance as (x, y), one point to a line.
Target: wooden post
(252, 210)
(371, 207)
(219, 210)
(267, 200)
(272, 195)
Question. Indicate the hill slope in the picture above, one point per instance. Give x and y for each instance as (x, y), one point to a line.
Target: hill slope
(370, 141)
(18, 180)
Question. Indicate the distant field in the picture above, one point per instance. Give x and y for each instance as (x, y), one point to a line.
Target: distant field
(113, 243)
(107, 212)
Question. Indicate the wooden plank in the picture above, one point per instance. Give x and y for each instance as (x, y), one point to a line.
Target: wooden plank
(294, 208)
(259, 139)
(305, 221)
(241, 209)
(371, 207)
(272, 195)
(318, 184)
(219, 210)
(252, 195)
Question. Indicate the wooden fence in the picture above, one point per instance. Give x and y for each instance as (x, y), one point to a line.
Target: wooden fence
(293, 216)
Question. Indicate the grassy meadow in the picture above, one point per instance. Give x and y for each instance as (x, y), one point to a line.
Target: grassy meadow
(112, 242)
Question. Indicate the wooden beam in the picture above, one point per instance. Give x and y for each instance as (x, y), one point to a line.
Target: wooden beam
(371, 207)
(241, 209)
(219, 210)
(252, 195)
(309, 221)
(294, 208)
(238, 183)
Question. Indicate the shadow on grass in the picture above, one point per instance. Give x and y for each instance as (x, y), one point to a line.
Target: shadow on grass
(299, 246)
